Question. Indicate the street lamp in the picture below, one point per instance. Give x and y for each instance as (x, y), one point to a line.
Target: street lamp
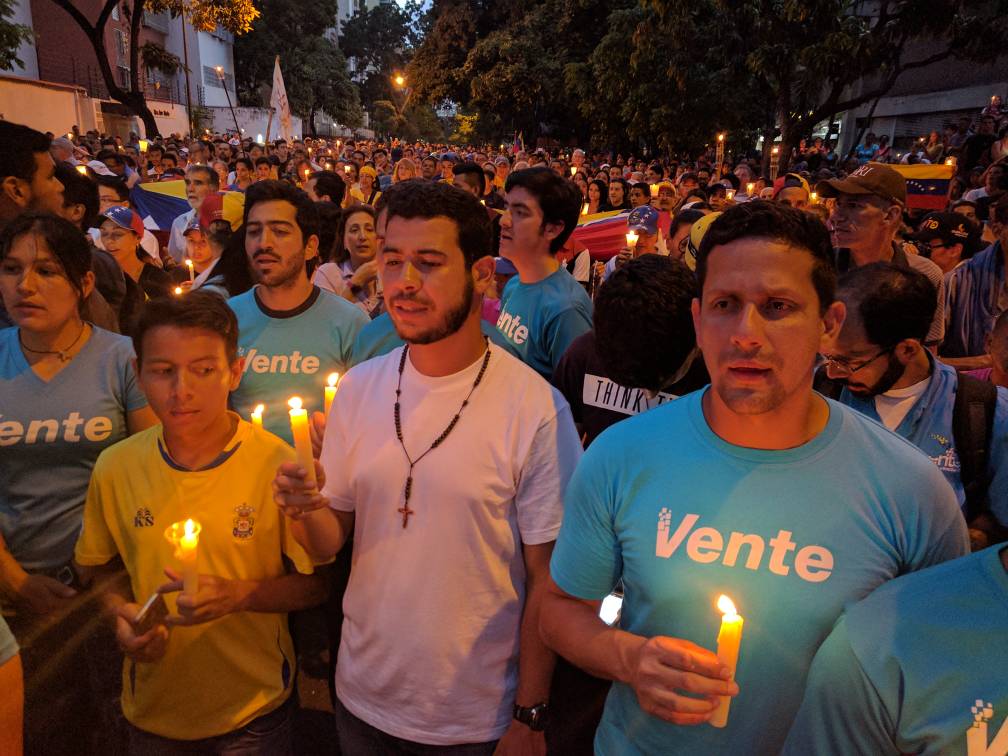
(220, 73)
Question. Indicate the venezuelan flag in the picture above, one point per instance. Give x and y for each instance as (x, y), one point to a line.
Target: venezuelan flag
(604, 234)
(161, 202)
(927, 185)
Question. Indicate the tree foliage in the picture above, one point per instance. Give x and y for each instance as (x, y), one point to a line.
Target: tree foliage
(235, 16)
(314, 69)
(11, 37)
(672, 73)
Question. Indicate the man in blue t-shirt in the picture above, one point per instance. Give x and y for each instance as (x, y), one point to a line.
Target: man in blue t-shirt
(292, 334)
(888, 375)
(917, 667)
(756, 488)
(543, 309)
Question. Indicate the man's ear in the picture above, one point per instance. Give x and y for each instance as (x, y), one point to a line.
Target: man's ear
(832, 323)
(483, 273)
(906, 350)
(552, 230)
(237, 369)
(311, 247)
(15, 190)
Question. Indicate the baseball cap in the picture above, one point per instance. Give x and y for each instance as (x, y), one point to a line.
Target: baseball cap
(871, 178)
(125, 218)
(643, 218)
(502, 161)
(789, 180)
(99, 168)
(192, 225)
(696, 235)
(215, 207)
(949, 227)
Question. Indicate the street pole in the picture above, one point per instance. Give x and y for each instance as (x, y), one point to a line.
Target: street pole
(188, 87)
(238, 136)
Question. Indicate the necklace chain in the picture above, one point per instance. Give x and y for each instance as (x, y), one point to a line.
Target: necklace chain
(61, 353)
(405, 510)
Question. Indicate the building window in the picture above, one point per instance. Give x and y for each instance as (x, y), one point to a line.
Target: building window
(122, 45)
(123, 76)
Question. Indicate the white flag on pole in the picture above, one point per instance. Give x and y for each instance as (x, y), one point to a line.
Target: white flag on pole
(278, 101)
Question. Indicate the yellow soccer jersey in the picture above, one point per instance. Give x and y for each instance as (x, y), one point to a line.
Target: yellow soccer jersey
(218, 676)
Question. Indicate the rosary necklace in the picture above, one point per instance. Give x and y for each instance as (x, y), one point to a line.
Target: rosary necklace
(405, 510)
(62, 354)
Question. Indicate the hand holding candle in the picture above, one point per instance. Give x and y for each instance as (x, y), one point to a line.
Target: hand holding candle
(302, 438)
(184, 536)
(728, 641)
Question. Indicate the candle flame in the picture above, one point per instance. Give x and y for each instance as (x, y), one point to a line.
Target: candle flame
(332, 379)
(720, 137)
(190, 528)
(259, 408)
(584, 209)
(573, 170)
(294, 402)
(189, 262)
(82, 170)
(178, 290)
(631, 237)
(726, 606)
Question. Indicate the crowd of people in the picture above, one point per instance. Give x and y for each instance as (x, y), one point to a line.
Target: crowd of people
(522, 471)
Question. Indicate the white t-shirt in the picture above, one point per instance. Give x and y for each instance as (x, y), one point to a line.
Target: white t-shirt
(176, 240)
(429, 650)
(895, 404)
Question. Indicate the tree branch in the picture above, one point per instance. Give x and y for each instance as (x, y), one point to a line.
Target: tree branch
(881, 90)
(77, 16)
(134, 49)
(103, 17)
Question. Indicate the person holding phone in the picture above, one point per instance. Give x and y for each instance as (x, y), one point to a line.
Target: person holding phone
(217, 671)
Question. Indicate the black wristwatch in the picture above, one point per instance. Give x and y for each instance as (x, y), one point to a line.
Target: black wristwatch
(533, 717)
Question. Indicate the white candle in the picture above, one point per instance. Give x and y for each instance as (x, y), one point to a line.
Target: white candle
(631, 240)
(330, 391)
(302, 438)
(584, 209)
(192, 270)
(257, 414)
(728, 641)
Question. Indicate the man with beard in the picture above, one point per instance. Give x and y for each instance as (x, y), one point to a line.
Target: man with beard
(888, 375)
(447, 459)
(756, 488)
(292, 334)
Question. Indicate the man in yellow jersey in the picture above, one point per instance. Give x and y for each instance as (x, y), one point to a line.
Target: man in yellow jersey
(215, 675)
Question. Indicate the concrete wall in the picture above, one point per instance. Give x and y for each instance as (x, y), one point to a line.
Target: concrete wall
(252, 122)
(45, 106)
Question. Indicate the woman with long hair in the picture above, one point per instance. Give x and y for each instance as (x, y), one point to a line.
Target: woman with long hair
(934, 150)
(582, 184)
(353, 272)
(598, 197)
(404, 170)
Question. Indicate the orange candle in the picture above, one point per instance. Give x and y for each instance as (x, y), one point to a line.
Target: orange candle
(330, 391)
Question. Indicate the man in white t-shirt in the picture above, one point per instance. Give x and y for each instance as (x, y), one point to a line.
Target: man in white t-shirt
(200, 182)
(448, 459)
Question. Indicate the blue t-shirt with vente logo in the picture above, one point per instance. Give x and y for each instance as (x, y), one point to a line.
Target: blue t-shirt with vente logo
(291, 354)
(792, 537)
(51, 433)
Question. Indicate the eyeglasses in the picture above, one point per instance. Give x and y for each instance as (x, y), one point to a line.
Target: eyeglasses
(850, 367)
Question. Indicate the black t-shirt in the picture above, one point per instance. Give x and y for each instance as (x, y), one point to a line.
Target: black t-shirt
(597, 402)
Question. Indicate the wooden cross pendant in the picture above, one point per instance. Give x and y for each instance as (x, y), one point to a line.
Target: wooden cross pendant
(404, 510)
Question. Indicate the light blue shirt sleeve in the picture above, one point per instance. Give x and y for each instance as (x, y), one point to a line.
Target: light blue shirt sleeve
(842, 712)
(586, 561)
(562, 330)
(998, 464)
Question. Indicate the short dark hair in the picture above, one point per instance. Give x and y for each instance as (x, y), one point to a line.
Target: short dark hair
(475, 174)
(306, 216)
(212, 178)
(107, 154)
(152, 148)
(65, 240)
(775, 222)
(329, 184)
(686, 217)
(559, 199)
(197, 309)
(18, 147)
(642, 186)
(79, 190)
(114, 183)
(247, 162)
(436, 199)
(262, 160)
(890, 303)
(642, 321)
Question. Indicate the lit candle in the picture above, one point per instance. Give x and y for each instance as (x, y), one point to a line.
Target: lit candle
(143, 145)
(178, 291)
(346, 169)
(69, 135)
(730, 194)
(573, 170)
(184, 536)
(302, 438)
(330, 391)
(631, 240)
(728, 641)
(257, 414)
(192, 270)
(814, 197)
(584, 209)
(259, 138)
(720, 137)
(483, 202)
(749, 188)
(950, 161)
(654, 190)
(82, 170)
